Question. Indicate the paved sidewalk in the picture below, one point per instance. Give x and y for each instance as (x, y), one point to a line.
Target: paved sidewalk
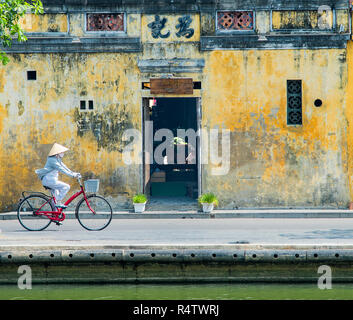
(241, 213)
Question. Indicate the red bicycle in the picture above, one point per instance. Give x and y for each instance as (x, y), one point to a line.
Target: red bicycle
(37, 211)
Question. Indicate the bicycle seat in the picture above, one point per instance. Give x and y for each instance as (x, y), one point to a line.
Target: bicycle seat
(47, 188)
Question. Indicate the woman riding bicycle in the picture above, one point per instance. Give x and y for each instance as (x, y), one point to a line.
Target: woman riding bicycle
(50, 174)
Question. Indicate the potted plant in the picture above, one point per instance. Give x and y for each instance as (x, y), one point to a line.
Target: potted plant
(208, 201)
(139, 202)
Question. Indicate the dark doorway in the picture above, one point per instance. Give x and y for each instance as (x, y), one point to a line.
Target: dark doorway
(176, 175)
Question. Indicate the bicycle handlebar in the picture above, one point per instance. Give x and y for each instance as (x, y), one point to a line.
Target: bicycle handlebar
(79, 177)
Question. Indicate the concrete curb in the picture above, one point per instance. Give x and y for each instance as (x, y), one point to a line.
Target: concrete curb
(219, 214)
(174, 255)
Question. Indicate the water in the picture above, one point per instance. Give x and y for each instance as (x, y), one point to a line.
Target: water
(178, 292)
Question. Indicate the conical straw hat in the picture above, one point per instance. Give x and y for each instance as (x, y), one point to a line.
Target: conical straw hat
(57, 148)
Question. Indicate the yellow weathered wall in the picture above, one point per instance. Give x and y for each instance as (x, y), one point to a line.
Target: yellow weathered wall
(349, 117)
(47, 110)
(284, 19)
(272, 164)
(44, 111)
(45, 22)
(342, 18)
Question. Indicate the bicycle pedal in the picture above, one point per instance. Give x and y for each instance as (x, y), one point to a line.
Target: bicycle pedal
(58, 223)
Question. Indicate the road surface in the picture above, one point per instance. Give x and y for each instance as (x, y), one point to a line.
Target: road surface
(332, 232)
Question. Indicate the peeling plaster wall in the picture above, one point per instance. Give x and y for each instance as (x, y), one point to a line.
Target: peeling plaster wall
(349, 117)
(271, 164)
(299, 19)
(34, 114)
(44, 23)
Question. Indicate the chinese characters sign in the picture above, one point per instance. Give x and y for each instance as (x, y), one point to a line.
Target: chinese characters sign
(157, 26)
(183, 27)
(171, 27)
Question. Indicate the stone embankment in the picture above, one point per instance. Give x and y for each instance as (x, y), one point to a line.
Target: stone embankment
(158, 264)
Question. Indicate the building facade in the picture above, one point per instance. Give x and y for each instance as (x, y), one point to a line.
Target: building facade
(274, 76)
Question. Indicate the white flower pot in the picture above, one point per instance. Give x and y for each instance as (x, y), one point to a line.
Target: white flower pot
(139, 207)
(207, 207)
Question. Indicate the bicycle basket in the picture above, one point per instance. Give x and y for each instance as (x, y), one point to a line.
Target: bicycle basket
(92, 185)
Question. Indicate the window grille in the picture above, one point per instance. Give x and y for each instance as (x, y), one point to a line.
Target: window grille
(294, 102)
(235, 20)
(105, 22)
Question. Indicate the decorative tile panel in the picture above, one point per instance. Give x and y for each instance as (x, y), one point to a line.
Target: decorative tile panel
(235, 20)
(105, 22)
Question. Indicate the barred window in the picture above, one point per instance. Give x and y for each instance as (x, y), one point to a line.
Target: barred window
(105, 22)
(294, 102)
(82, 105)
(235, 20)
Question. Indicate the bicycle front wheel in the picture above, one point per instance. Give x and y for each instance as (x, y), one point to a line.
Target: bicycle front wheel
(28, 212)
(100, 217)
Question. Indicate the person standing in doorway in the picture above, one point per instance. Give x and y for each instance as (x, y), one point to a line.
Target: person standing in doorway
(50, 174)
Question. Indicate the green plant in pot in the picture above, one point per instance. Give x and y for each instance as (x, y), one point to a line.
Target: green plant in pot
(139, 201)
(208, 201)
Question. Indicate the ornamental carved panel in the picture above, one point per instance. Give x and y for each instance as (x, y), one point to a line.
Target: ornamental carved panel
(105, 22)
(235, 20)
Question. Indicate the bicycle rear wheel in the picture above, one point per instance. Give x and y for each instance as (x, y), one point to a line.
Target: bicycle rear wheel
(26, 212)
(101, 217)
